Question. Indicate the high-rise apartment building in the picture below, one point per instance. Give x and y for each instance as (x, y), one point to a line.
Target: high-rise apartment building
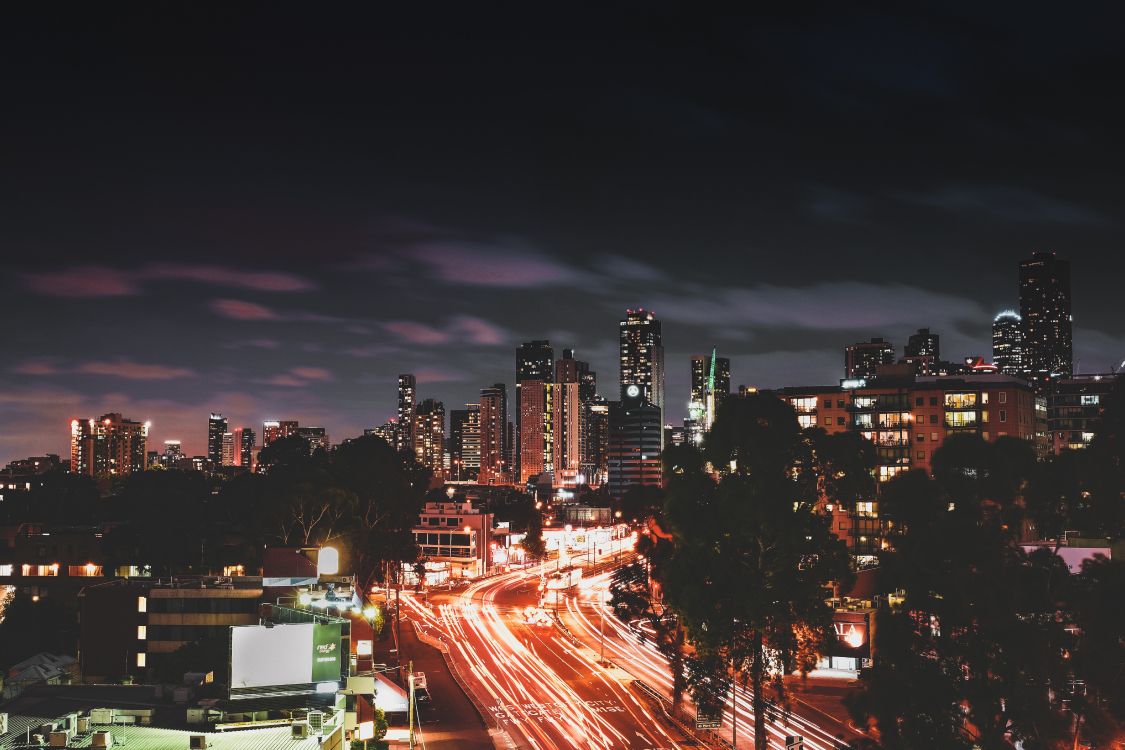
(273, 429)
(244, 444)
(465, 443)
(923, 344)
(861, 360)
(108, 446)
(228, 452)
(493, 435)
(636, 437)
(642, 356)
(216, 428)
(429, 435)
(1007, 343)
(316, 437)
(1045, 319)
(710, 384)
(595, 461)
(407, 403)
(534, 371)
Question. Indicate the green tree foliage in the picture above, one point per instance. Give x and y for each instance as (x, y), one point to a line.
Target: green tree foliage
(751, 558)
(640, 502)
(976, 635)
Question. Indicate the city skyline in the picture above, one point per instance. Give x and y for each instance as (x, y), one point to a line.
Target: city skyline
(239, 260)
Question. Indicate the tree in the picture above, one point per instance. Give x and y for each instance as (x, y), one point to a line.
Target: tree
(34, 625)
(750, 556)
(640, 502)
(1099, 657)
(377, 742)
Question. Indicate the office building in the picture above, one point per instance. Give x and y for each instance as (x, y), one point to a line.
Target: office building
(429, 435)
(862, 359)
(216, 428)
(455, 539)
(465, 443)
(595, 461)
(316, 437)
(1007, 343)
(1074, 410)
(1045, 319)
(275, 430)
(923, 344)
(407, 403)
(710, 384)
(636, 435)
(534, 371)
(642, 356)
(493, 435)
(109, 446)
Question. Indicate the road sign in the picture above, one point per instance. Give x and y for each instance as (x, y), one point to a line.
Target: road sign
(703, 721)
(794, 742)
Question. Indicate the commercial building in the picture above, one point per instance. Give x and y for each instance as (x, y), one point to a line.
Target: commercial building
(635, 443)
(1045, 316)
(595, 461)
(275, 430)
(455, 540)
(908, 417)
(534, 371)
(1007, 343)
(316, 437)
(464, 443)
(216, 428)
(109, 446)
(862, 359)
(494, 467)
(407, 402)
(710, 384)
(642, 357)
(923, 344)
(1074, 410)
(429, 435)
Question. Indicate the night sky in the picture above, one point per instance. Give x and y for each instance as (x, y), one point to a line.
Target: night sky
(271, 211)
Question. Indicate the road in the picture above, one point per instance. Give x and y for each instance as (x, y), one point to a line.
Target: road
(586, 615)
(530, 680)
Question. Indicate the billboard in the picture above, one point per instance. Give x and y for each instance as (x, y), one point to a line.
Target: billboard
(284, 655)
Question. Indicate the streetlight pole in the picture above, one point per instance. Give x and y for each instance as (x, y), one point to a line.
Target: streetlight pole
(410, 710)
(601, 627)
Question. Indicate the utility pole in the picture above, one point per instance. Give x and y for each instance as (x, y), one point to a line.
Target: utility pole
(411, 709)
(734, 713)
(601, 628)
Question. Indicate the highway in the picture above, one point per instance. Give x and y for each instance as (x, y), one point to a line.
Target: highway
(530, 680)
(588, 612)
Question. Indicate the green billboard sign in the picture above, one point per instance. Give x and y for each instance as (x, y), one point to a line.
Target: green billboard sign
(327, 644)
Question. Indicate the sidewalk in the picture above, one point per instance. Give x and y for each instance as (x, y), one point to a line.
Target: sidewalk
(449, 721)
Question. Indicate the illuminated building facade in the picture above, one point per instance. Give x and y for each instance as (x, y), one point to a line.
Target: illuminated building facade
(534, 372)
(595, 460)
(1007, 343)
(455, 540)
(907, 418)
(109, 446)
(636, 435)
(216, 428)
(429, 435)
(710, 384)
(464, 443)
(642, 356)
(407, 403)
(316, 437)
(275, 430)
(1074, 410)
(860, 360)
(1045, 319)
(494, 435)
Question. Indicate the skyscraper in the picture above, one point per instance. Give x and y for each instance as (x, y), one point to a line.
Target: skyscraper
(108, 446)
(710, 384)
(642, 356)
(407, 403)
(216, 428)
(1007, 343)
(636, 435)
(493, 435)
(244, 444)
(534, 371)
(923, 344)
(1045, 319)
(429, 435)
(465, 443)
(860, 360)
(566, 419)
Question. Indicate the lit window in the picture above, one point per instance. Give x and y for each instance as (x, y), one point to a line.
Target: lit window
(960, 400)
(142, 632)
(1091, 400)
(6, 570)
(140, 658)
(142, 604)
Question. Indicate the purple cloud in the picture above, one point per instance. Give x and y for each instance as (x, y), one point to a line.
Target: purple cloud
(481, 265)
(36, 367)
(100, 281)
(438, 375)
(125, 368)
(236, 309)
(479, 331)
(417, 333)
(298, 377)
(461, 328)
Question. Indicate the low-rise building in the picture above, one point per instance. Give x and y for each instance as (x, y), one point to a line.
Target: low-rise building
(455, 539)
(1074, 410)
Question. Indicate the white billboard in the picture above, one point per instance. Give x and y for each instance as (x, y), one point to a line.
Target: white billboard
(280, 655)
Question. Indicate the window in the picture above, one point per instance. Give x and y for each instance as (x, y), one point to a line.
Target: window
(960, 419)
(920, 401)
(806, 420)
(1091, 400)
(863, 420)
(827, 403)
(921, 455)
(889, 472)
(89, 570)
(960, 400)
(1003, 415)
(39, 570)
(6, 570)
(921, 438)
(933, 419)
(933, 437)
(865, 508)
(933, 400)
(828, 421)
(840, 403)
(142, 604)
(803, 405)
(140, 658)
(841, 421)
(142, 632)
(1003, 397)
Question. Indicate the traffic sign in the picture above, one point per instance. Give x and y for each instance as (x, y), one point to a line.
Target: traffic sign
(703, 721)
